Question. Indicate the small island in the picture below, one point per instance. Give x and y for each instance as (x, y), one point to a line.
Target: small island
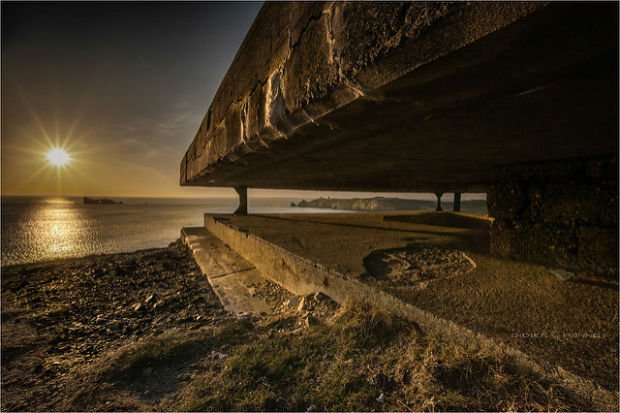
(93, 201)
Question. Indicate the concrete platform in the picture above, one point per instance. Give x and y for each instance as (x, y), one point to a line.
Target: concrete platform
(232, 278)
(568, 325)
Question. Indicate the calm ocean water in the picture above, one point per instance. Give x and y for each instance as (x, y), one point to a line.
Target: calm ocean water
(37, 228)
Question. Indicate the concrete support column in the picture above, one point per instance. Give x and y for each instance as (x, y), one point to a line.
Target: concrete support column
(457, 202)
(562, 214)
(242, 191)
(439, 195)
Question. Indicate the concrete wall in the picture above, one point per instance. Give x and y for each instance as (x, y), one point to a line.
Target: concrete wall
(561, 214)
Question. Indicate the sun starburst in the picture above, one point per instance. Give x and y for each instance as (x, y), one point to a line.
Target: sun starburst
(58, 157)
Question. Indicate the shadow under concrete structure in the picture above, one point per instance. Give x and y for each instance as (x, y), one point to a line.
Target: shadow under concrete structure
(513, 99)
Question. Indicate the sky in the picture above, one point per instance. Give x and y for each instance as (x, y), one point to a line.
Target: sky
(122, 88)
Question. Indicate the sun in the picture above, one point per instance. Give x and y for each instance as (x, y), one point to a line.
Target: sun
(58, 157)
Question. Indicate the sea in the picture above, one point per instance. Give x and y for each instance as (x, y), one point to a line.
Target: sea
(45, 228)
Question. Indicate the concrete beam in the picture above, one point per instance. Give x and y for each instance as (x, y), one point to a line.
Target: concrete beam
(439, 97)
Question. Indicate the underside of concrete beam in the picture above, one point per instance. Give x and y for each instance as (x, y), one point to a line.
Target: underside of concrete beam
(409, 96)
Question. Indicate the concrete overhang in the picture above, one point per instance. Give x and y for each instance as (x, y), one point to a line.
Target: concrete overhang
(409, 96)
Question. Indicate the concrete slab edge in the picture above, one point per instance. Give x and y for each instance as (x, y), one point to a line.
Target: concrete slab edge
(231, 287)
(303, 276)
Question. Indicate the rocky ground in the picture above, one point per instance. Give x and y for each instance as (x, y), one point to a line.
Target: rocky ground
(60, 316)
(144, 331)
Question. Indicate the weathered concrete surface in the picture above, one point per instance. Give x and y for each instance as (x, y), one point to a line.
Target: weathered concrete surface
(563, 214)
(409, 96)
(298, 269)
(231, 277)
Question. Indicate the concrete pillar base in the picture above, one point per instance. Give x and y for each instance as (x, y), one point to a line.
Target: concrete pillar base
(562, 214)
(439, 195)
(242, 209)
(456, 206)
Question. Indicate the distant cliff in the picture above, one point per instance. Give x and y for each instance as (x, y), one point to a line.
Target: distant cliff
(390, 204)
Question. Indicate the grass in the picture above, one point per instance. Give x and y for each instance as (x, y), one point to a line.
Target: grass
(170, 350)
(343, 364)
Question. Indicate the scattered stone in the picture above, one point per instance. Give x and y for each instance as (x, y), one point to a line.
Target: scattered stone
(381, 398)
(272, 293)
(310, 321)
(137, 307)
(150, 298)
(216, 355)
(306, 303)
(562, 275)
(292, 302)
(311, 408)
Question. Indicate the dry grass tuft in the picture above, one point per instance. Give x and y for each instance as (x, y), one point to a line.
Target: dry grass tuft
(344, 364)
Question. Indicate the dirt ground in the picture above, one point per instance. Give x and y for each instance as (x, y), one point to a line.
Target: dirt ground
(571, 323)
(143, 331)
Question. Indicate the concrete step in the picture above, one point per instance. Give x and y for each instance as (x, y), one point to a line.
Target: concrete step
(230, 275)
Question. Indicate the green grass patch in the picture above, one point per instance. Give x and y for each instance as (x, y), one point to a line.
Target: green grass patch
(170, 350)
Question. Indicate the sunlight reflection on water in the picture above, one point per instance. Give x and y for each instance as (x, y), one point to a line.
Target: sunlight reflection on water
(49, 228)
(62, 230)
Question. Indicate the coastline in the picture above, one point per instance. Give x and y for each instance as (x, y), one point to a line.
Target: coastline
(379, 204)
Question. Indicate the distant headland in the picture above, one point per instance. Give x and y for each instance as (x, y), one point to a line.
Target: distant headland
(386, 204)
